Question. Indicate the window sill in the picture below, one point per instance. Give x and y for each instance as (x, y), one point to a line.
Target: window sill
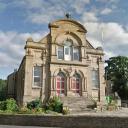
(95, 88)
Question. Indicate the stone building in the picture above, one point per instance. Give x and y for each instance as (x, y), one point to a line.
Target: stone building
(62, 63)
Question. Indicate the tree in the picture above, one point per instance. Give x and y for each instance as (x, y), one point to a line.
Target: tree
(117, 72)
(3, 89)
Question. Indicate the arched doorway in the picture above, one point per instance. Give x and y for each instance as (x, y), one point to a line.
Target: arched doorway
(75, 83)
(60, 83)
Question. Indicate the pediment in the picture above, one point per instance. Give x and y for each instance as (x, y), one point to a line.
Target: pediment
(88, 45)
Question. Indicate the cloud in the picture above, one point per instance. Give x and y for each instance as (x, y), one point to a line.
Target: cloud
(114, 42)
(43, 11)
(89, 17)
(79, 5)
(12, 47)
(114, 37)
(106, 11)
(108, 1)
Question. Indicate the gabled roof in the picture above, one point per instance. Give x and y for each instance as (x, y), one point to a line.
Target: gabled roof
(88, 45)
(44, 39)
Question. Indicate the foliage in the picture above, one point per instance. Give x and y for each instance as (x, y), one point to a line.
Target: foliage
(108, 99)
(9, 105)
(3, 105)
(65, 110)
(112, 106)
(34, 104)
(3, 88)
(26, 110)
(117, 72)
(55, 104)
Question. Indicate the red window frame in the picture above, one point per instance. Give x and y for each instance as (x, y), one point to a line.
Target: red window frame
(60, 85)
(75, 85)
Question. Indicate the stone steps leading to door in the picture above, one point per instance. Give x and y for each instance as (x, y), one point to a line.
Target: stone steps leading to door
(77, 104)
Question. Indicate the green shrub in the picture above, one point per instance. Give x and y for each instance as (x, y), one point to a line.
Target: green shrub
(55, 104)
(11, 105)
(34, 104)
(25, 110)
(2, 105)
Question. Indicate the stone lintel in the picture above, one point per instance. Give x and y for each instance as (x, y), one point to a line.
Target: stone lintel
(69, 63)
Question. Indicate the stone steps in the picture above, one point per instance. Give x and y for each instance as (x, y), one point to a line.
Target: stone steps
(77, 104)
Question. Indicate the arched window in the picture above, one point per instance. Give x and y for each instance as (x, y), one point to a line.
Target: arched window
(60, 82)
(75, 83)
(68, 52)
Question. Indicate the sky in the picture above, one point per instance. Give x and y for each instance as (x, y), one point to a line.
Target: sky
(105, 20)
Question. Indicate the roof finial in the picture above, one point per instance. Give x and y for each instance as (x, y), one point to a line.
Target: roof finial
(68, 15)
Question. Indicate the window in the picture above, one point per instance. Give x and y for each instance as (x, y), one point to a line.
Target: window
(60, 53)
(37, 75)
(60, 81)
(68, 52)
(75, 85)
(95, 79)
(75, 54)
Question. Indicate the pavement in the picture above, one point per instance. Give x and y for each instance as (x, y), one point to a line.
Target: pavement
(121, 112)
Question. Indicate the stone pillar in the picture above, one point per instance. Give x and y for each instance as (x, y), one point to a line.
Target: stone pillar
(52, 86)
(89, 81)
(53, 52)
(101, 82)
(28, 81)
(84, 86)
(43, 82)
(67, 85)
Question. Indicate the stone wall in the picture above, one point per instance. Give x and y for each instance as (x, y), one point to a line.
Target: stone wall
(81, 121)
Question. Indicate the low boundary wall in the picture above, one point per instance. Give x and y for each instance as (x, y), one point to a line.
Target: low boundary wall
(70, 121)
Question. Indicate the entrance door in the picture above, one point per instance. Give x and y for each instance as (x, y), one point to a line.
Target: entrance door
(60, 80)
(75, 86)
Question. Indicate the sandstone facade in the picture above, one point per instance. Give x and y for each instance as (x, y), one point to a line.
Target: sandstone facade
(63, 63)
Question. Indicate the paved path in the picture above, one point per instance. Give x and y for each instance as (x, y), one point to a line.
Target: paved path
(121, 113)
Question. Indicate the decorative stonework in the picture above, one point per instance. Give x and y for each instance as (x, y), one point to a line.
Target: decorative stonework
(77, 74)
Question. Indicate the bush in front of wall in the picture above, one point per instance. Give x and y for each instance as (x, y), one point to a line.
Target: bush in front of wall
(54, 104)
(9, 105)
(2, 105)
(34, 104)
